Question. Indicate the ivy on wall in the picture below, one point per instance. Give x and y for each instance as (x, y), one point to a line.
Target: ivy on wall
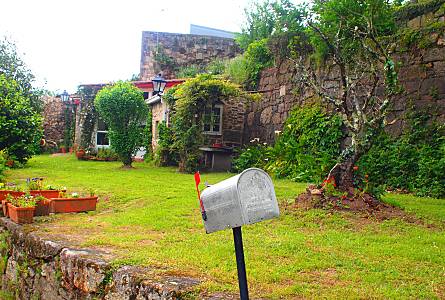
(187, 102)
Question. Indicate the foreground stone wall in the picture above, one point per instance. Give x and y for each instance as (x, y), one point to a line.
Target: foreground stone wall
(421, 73)
(35, 267)
(167, 52)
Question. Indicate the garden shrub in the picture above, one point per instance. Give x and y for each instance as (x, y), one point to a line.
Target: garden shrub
(3, 166)
(189, 71)
(166, 153)
(123, 109)
(309, 145)
(305, 150)
(413, 162)
(236, 70)
(254, 155)
(20, 123)
(245, 69)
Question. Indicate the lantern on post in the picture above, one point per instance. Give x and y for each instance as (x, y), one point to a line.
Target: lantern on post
(65, 96)
(159, 84)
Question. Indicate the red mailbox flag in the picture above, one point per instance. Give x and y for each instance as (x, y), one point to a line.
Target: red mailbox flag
(197, 181)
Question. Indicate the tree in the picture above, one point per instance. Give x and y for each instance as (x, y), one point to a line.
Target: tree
(20, 105)
(13, 67)
(353, 71)
(123, 109)
(269, 17)
(20, 124)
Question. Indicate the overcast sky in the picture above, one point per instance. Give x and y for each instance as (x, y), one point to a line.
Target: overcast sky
(66, 43)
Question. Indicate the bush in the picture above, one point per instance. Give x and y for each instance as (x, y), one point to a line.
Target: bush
(123, 109)
(166, 153)
(413, 162)
(245, 69)
(305, 151)
(189, 71)
(20, 124)
(309, 145)
(237, 71)
(255, 155)
(3, 166)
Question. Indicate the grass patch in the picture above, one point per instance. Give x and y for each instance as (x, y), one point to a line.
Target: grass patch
(150, 216)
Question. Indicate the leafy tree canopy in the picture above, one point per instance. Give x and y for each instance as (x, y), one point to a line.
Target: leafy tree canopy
(13, 67)
(20, 124)
(124, 110)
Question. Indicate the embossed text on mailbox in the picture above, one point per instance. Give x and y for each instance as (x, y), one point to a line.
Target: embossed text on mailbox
(246, 198)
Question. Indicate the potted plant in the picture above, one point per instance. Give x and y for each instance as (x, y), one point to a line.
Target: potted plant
(36, 188)
(80, 153)
(73, 203)
(21, 209)
(42, 206)
(13, 190)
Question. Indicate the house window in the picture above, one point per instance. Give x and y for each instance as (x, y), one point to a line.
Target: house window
(102, 140)
(212, 119)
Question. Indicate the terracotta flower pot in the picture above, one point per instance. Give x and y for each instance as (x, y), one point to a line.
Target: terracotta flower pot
(66, 205)
(42, 208)
(14, 194)
(80, 153)
(46, 193)
(21, 215)
(5, 207)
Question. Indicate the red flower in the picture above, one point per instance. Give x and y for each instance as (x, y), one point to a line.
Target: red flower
(355, 168)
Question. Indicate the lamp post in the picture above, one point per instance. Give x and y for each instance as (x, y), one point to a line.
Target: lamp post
(159, 84)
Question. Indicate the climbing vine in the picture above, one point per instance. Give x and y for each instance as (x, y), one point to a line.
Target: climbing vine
(189, 101)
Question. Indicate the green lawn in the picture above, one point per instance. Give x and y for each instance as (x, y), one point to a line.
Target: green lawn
(150, 216)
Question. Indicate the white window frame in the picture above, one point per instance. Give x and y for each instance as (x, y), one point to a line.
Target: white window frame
(97, 140)
(221, 110)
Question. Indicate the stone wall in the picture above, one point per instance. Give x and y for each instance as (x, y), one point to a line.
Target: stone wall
(35, 267)
(421, 73)
(54, 113)
(167, 52)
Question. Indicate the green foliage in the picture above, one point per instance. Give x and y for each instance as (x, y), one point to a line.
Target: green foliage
(412, 10)
(216, 67)
(123, 109)
(246, 68)
(148, 136)
(189, 71)
(166, 153)
(342, 22)
(20, 124)
(3, 166)
(13, 67)
(266, 18)
(25, 201)
(190, 99)
(309, 145)
(305, 150)
(414, 162)
(255, 155)
(107, 154)
(237, 70)
(165, 61)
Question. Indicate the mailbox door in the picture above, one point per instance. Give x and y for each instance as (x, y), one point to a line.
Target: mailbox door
(257, 196)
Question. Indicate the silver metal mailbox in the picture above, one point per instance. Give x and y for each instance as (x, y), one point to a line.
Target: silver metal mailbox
(246, 198)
